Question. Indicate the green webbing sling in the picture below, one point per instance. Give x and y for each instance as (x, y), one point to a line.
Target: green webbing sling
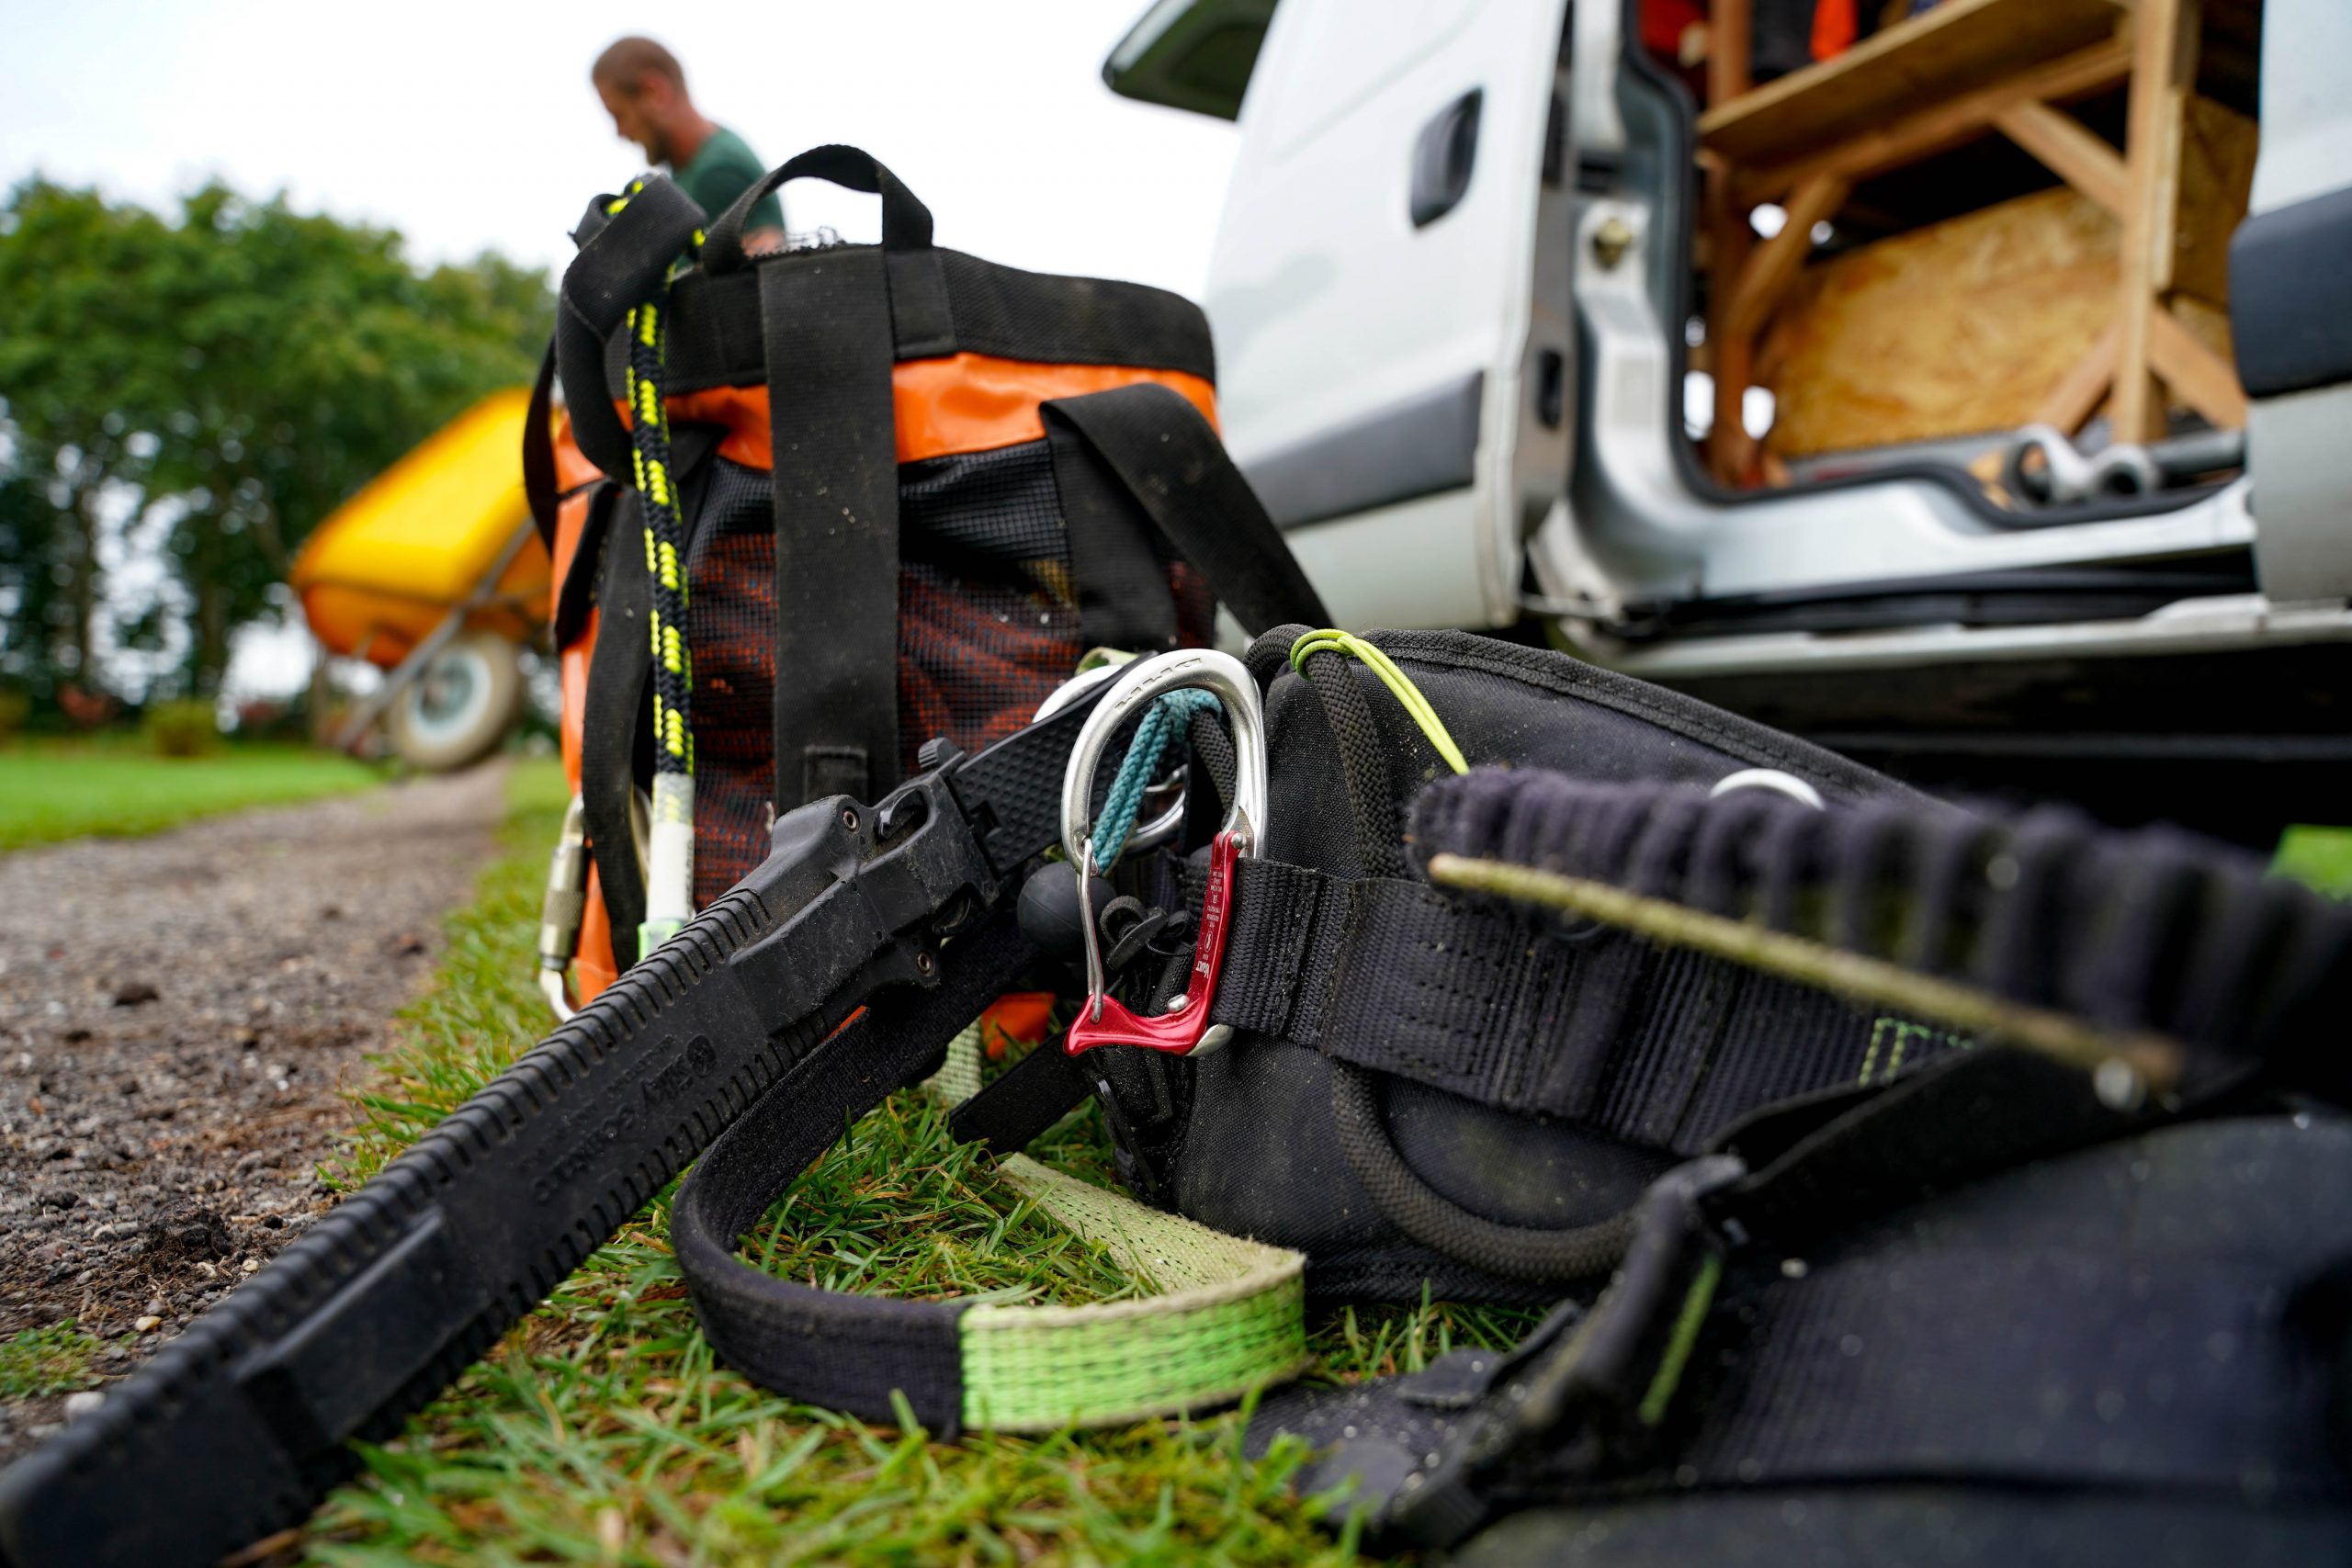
(1229, 1314)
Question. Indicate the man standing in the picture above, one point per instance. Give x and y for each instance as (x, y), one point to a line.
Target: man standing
(644, 87)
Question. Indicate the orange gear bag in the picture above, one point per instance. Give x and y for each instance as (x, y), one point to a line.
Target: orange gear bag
(897, 525)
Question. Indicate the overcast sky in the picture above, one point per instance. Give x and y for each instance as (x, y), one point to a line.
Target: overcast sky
(468, 125)
(473, 125)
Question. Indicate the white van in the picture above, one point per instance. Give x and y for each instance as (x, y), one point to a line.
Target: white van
(1454, 302)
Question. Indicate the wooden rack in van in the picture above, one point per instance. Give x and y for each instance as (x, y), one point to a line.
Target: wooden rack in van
(1963, 70)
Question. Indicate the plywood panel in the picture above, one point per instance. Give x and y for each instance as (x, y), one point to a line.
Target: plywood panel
(1966, 326)
(1975, 324)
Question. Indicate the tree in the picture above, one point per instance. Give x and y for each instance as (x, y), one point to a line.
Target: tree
(248, 365)
(74, 406)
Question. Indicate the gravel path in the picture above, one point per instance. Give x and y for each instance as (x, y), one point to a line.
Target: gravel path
(176, 1014)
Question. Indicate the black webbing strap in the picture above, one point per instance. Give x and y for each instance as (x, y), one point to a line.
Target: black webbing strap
(1033, 1094)
(623, 257)
(539, 450)
(1144, 447)
(826, 327)
(1665, 1049)
(847, 1352)
(611, 724)
(576, 595)
(833, 324)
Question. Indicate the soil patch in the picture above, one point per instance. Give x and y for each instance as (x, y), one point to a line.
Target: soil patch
(177, 1017)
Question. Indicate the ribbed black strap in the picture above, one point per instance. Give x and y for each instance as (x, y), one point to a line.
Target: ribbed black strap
(1012, 790)
(847, 1352)
(612, 722)
(623, 258)
(826, 324)
(1145, 447)
(2142, 929)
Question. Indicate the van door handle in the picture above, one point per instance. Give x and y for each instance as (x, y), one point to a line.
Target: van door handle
(1443, 155)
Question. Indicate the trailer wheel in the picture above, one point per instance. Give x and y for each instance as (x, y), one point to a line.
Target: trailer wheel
(457, 711)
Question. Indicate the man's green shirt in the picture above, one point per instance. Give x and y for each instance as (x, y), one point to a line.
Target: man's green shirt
(721, 169)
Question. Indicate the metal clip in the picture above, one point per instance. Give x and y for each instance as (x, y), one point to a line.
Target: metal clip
(1184, 1028)
(561, 909)
(1146, 835)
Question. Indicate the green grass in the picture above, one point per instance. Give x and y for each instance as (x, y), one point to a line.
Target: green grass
(116, 789)
(600, 1431)
(2318, 857)
(56, 1359)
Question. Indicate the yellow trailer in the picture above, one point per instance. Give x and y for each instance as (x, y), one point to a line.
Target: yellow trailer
(434, 573)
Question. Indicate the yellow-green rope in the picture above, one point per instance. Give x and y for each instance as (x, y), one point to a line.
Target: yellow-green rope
(669, 891)
(1333, 640)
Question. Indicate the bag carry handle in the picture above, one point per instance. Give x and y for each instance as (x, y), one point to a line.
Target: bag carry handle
(906, 223)
(626, 245)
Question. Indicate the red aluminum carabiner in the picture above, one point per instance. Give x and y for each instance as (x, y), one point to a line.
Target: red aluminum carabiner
(1184, 1028)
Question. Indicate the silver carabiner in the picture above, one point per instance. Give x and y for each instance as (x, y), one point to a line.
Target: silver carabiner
(1184, 1028)
(1146, 835)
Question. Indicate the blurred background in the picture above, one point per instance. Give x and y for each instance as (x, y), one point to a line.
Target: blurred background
(277, 276)
(254, 252)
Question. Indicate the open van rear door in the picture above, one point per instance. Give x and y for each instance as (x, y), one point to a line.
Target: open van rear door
(1390, 294)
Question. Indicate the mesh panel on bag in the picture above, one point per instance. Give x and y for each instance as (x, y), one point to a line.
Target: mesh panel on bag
(987, 616)
(731, 626)
(988, 626)
(999, 505)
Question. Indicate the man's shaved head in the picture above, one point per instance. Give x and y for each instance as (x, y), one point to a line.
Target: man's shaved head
(628, 61)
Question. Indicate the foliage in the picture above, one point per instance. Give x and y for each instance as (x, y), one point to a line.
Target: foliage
(602, 1430)
(39, 1361)
(2318, 857)
(227, 377)
(58, 790)
(184, 726)
(16, 706)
